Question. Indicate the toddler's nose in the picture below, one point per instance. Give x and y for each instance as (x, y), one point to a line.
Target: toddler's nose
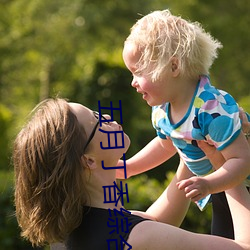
(134, 83)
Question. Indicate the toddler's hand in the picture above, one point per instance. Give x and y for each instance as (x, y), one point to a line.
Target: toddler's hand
(195, 187)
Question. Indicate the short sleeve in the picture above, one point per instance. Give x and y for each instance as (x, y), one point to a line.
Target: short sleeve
(219, 120)
(159, 121)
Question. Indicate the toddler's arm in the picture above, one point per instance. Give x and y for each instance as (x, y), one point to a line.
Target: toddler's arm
(152, 155)
(234, 171)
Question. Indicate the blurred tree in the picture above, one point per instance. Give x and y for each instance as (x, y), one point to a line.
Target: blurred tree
(72, 48)
(51, 47)
(228, 21)
(244, 102)
(5, 123)
(10, 238)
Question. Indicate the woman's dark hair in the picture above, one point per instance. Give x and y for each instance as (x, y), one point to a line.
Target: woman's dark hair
(49, 186)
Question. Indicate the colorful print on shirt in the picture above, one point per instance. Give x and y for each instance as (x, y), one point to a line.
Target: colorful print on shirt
(213, 115)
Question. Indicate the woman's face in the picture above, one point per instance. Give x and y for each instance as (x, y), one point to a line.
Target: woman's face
(88, 119)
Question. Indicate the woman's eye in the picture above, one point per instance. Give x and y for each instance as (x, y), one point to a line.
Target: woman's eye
(104, 121)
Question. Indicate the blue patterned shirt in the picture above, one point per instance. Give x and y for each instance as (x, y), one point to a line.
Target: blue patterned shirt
(213, 115)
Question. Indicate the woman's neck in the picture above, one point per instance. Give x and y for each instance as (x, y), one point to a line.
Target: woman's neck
(100, 186)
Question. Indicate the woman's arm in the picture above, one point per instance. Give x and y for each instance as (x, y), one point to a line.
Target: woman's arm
(235, 166)
(160, 236)
(233, 172)
(239, 203)
(171, 207)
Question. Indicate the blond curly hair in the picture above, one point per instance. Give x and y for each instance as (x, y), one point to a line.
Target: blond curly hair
(160, 36)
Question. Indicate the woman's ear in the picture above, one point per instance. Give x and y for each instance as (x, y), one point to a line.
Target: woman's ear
(90, 161)
(175, 66)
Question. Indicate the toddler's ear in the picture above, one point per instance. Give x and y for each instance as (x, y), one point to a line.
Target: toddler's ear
(175, 66)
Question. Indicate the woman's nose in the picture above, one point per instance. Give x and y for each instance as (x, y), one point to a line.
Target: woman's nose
(107, 116)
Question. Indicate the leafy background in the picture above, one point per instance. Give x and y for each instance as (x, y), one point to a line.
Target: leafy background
(72, 48)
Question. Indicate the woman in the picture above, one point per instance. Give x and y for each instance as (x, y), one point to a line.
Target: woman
(60, 183)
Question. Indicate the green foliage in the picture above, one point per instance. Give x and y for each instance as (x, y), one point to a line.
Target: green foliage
(73, 48)
(5, 123)
(230, 71)
(245, 103)
(9, 231)
(143, 191)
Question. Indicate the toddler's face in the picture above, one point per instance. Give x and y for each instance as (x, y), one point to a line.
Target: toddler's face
(152, 92)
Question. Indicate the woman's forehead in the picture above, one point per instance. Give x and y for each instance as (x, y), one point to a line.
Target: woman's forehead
(84, 115)
(78, 108)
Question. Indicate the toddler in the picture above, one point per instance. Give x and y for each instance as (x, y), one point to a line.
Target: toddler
(170, 59)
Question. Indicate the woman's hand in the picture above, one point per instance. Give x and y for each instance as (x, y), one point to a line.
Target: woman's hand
(196, 187)
(245, 124)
